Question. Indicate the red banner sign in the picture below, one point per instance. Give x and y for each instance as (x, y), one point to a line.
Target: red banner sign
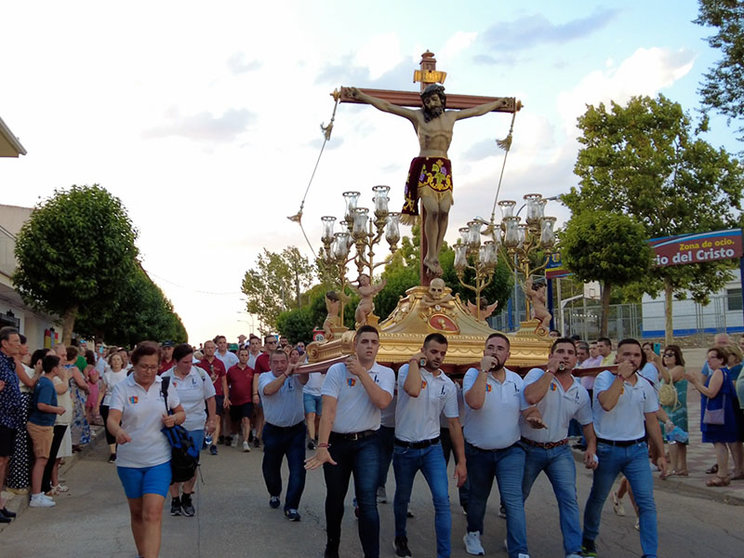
(696, 248)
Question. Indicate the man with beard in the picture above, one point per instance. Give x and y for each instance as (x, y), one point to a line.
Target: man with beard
(430, 174)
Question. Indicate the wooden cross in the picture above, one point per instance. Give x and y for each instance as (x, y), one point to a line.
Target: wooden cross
(427, 75)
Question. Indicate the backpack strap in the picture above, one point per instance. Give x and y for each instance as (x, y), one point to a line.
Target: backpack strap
(164, 390)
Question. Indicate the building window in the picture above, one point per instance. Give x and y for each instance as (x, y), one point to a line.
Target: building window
(733, 300)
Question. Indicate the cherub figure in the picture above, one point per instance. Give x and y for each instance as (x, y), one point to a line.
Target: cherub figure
(333, 301)
(484, 311)
(535, 292)
(436, 296)
(366, 291)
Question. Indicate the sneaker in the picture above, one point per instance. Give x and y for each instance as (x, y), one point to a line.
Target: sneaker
(234, 441)
(617, 505)
(381, 495)
(47, 498)
(213, 449)
(473, 544)
(175, 506)
(409, 514)
(311, 445)
(400, 545)
(246, 446)
(112, 458)
(292, 514)
(187, 506)
(5, 512)
(274, 502)
(502, 511)
(38, 501)
(588, 548)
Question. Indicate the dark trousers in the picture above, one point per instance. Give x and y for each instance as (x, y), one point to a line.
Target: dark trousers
(46, 479)
(278, 442)
(386, 438)
(464, 490)
(110, 438)
(361, 457)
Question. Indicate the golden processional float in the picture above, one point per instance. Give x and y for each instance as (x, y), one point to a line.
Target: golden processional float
(431, 307)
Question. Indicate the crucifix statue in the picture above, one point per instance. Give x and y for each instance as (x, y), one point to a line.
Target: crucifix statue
(430, 174)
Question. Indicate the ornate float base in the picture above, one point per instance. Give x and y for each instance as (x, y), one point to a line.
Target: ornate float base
(420, 313)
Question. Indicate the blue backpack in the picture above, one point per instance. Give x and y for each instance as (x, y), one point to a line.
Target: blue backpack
(184, 453)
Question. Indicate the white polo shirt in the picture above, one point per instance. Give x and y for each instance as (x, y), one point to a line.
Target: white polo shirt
(417, 418)
(496, 424)
(314, 383)
(110, 379)
(285, 407)
(626, 420)
(193, 391)
(228, 359)
(142, 418)
(355, 412)
(557, 408)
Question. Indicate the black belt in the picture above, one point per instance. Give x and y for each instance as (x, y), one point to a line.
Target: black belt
(352, 436)
(494, 450)
(621, 443)
(417, 445)
(301, 423)
(545, 445)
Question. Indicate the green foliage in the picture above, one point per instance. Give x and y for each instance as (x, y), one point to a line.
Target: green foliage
(77, 248)
(722, 88)
(400, 275)
(606, 247)
(644, 160)
(276, 284)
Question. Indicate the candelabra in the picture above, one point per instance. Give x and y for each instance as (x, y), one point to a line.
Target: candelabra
(518, 243)
(361, 231)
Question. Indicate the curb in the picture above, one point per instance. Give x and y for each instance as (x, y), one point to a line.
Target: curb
(69, 463)
(690, 487)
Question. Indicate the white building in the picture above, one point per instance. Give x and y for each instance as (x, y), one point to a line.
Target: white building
(723, 314)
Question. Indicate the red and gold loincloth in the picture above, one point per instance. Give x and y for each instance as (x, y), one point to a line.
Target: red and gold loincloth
(434, 173)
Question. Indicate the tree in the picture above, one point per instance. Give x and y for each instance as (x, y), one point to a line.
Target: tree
(276, 283)
(606, 247)
(75, 249)
(722, 88)
(645, 161)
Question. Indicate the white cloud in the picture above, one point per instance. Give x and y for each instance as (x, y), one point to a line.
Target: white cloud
(645, 72)
(380, 54)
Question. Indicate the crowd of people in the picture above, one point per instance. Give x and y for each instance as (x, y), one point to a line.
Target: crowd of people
(359, 417)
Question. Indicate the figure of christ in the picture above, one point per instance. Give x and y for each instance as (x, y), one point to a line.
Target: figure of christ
(366, 291)
(430, 174)
(535, 292)
(333, 302)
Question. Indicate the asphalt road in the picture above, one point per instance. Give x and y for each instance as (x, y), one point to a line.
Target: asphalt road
(233, 519)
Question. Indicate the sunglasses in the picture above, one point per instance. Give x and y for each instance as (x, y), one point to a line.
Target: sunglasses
(669, 354)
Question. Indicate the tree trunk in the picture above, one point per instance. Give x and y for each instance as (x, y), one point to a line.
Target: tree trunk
(668, 323)
(68, 323)
(606, 291)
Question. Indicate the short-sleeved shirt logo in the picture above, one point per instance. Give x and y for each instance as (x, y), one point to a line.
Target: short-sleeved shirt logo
(351, 382)
(134, 400)
(488, 388)
(553, 387)
(423, 384)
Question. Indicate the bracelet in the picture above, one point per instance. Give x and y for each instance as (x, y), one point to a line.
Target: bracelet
(324, 445)
(255, 393)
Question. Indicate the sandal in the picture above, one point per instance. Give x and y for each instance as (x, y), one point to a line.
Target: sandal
(682, 473)
(717, 481)
(712, 471)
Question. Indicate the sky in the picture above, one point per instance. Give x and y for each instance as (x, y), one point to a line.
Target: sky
(204, 119)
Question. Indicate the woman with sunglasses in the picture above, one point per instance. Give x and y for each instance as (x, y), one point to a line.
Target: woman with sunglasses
(672, 369)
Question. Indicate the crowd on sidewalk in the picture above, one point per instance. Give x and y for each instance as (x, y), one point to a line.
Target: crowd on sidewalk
(626, 409)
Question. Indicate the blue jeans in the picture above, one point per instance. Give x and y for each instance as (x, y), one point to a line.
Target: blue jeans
(507, 465)
(278, 442)
(386, 439)
(361, 457)
(633, 462)
(464, 490)
(430, 461)
(558, 464)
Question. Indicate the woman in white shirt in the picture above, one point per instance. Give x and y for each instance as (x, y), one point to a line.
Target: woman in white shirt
(114, 374)
(137, 414)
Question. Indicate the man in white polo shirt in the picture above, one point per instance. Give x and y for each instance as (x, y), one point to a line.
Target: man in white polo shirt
(284, 431)
(494, 402)
(354, 392)
(424, 392)
(559, 398)
(623, 402)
